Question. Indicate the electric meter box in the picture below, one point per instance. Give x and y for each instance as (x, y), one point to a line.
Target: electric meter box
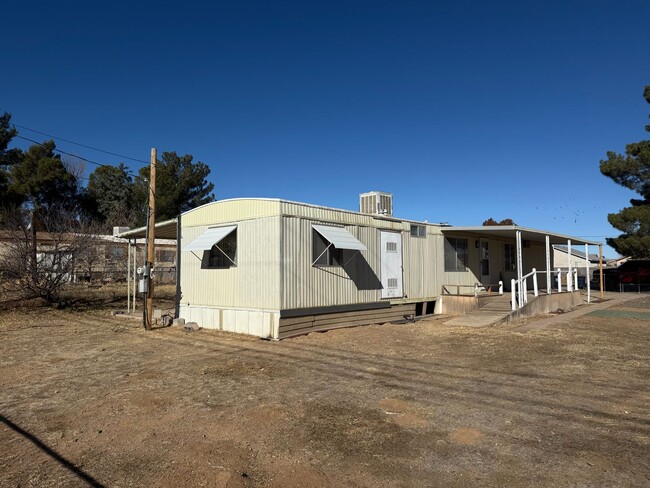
(143, 286)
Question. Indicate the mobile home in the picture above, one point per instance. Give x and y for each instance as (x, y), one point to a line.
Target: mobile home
(275, 268)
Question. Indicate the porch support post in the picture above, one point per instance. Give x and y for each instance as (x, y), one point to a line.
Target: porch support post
(128, 278)
(178, 267)
(520, 273)
(569, 276)
(600, 266)
(549, 287)
(135, 275)
(587, 280)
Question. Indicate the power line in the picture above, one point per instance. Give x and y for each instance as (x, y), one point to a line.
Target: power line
(70, 154)
(82, 145)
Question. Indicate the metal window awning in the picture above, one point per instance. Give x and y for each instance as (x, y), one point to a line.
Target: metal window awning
(209, 238)
(340, 238)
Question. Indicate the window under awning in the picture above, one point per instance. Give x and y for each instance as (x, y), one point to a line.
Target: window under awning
(340, 238)
(209, 238)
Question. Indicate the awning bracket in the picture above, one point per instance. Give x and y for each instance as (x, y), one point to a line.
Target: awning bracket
(319, 256)
(233, 263)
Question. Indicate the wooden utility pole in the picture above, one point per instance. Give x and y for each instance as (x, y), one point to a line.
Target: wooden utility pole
(151, 238)
(600, 265)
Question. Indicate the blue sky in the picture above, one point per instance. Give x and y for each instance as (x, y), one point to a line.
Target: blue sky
(463, 110)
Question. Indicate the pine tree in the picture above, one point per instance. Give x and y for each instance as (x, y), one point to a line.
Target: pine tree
(632, 171)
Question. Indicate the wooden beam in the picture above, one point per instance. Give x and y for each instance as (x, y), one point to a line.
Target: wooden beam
(600, 265)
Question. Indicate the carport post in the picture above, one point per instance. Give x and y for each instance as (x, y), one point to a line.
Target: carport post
(135, 277)
(587, 281)
(128, 278)
(549, 288)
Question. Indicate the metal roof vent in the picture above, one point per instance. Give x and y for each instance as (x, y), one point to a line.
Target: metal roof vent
(376, 203)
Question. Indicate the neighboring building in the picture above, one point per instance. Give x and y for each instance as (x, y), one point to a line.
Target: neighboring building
(615, 263)
(104, 260)
(578, 259)
(275, 268)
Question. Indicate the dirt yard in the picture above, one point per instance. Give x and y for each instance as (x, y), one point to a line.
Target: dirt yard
(89, 399)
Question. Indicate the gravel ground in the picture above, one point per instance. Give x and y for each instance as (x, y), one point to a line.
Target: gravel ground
(89, 399)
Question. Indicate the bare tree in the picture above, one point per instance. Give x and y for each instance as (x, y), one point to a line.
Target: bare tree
(75, 166)
(43, 251)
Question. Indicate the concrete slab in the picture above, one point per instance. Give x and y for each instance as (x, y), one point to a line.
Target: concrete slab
(627, 314)
(491, 312)
(498, 310)
(611, 301)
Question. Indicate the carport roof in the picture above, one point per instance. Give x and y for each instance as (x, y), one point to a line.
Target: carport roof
(527, 233)
(164, 230)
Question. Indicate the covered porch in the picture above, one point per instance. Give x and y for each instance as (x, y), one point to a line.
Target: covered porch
(511, 259)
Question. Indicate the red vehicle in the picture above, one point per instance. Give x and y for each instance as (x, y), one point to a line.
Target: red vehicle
(633, 276)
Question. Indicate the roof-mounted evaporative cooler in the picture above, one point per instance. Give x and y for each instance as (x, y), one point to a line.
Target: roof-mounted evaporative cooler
(376, 203)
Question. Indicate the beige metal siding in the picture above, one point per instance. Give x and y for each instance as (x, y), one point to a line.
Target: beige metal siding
(253, 283)
(341, 217)
(274, 258)
(421, 266)
(305, 285)
(230, 211)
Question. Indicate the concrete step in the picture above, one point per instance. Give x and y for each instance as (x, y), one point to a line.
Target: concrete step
(497, 310)
(477, 319)
(492, 312)
(499, 304)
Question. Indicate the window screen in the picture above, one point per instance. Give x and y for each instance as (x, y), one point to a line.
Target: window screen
(224, 253)
(322, 255)
(455, 254)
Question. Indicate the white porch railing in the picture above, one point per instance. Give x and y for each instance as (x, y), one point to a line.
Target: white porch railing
(478, 287)
(519, 289)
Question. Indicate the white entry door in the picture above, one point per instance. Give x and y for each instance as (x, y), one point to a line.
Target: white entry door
(391, 265)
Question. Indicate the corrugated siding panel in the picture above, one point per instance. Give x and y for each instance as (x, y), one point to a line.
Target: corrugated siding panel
(340, 217)
(307, 286)
(253, 283)
(230, 211)
(421, 266)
